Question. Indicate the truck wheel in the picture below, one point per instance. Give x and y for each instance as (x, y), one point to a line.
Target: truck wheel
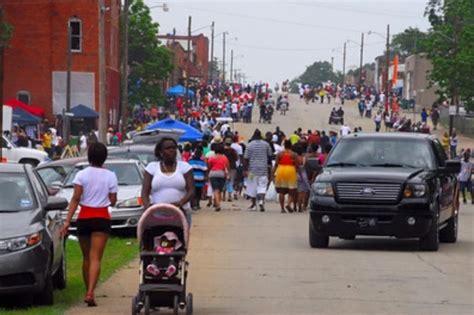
(449, 234)
(317, 240)
(430, 242)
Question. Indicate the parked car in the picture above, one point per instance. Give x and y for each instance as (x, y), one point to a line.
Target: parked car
(129, 207)
(54, 173)
(15, 154)
(392, 184)
(145, 153)
(32, 256)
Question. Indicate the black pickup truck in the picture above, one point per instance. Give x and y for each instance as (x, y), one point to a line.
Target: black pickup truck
(388, 184)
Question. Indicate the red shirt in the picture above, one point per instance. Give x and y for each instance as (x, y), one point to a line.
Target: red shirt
(218, 162)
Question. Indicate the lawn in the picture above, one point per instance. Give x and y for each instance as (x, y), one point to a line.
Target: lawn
(119, 251)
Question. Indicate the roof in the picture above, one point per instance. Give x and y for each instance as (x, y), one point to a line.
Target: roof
(12, 168)
(392, 135)
(133, 148)
(113, 161)
(64, 162)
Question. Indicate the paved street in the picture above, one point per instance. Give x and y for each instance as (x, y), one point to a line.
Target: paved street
(261, 263)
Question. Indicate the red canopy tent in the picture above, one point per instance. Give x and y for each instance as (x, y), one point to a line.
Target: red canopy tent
(34, 110)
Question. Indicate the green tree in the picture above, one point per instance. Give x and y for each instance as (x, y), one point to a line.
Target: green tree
(317, 73)
(149, 62)
(216, 71)
(410, 41)
(450, 46)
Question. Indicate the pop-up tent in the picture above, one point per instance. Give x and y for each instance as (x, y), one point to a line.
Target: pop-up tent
(23, 118)
(179, 90)
(82, 111)
(190, 134)
(34, 110)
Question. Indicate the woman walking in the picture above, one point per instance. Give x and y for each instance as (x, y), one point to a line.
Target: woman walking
(464, 176)
(168, 180)
(285, 177)
(218, 173)
(95, 189)
(303, 185)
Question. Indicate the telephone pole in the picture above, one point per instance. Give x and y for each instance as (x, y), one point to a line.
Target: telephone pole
(361, 58)
(103, 117)
(211, 74)
(387, 65)
(123, 112)
(344, 65)
(189, 60)
(332, 63)
(231, 64)
(223, 57)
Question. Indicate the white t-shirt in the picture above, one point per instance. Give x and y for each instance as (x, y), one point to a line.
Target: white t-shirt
(97, 183)
(345, 130)
(83, 142)
(235, 108)
(278, 148)
(237, 148)
(168, 188)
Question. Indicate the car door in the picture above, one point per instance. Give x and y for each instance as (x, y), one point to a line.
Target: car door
(447, 183)
(7, 150)
(53, 219)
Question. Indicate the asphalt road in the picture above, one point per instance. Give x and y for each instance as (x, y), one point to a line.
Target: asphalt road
(260, 263)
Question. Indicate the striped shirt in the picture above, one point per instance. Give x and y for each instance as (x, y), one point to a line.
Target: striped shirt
(199, 171)
(259, 155)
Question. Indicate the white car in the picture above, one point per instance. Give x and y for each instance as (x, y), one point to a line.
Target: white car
(14, 154)
(128, 209)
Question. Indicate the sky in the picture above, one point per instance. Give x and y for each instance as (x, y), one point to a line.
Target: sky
(276, 40)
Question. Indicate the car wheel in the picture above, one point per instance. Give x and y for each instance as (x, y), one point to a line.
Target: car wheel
(430, 242)
(317, 240)
(45, 297)
(59, 278)
(449, 234)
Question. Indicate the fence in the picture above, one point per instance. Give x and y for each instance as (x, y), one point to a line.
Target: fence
(462, 124)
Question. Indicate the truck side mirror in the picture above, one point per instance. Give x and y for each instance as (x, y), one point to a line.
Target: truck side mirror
(452, 167)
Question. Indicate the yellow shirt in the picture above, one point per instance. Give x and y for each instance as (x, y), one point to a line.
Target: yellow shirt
(47, 139)
(294, 138)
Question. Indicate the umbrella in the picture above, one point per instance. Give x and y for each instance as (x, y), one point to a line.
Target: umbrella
(190, 134)
(179, 90)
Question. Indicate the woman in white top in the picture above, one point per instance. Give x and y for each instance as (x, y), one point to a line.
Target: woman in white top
(168, 180)
(95, 189)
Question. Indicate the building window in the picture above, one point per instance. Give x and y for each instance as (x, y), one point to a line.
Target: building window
(24, 97)
(76, 35)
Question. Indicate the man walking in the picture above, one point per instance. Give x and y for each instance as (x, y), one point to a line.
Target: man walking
(257, 162)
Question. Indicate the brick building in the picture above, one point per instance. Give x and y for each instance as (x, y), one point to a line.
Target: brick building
(36, 59)
(199, 65)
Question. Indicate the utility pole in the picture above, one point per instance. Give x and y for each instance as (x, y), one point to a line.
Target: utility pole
(189, 60)
(332, 64)
(361, 58)
(1, 84)
(103, 116)
(344, 65)
(387, 57)
(231, 64)
(211, 74)
(66, 124)
(223, 57)
(123, 112)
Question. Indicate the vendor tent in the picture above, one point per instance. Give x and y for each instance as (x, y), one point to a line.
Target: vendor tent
(179, 90)
(34, 110)
(82, 111)
(190, 134)
(23, 118)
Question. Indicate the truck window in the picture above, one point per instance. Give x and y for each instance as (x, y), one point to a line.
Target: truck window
(440, 153)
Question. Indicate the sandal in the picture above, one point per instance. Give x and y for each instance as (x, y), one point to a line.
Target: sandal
(89, 300)
(288, 208)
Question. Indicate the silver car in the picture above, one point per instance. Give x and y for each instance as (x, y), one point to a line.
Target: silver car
(129, 208)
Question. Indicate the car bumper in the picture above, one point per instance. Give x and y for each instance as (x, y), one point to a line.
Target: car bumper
(408, 219)
(23, 271)
(119, 218)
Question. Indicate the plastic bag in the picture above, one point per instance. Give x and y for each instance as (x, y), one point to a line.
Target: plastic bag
(271, 194)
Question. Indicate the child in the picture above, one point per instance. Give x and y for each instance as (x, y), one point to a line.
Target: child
(166, 243)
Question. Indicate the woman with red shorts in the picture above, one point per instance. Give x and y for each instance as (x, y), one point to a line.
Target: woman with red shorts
(95, 189)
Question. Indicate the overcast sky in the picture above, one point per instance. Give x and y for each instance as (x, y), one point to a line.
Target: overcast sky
(276, 40)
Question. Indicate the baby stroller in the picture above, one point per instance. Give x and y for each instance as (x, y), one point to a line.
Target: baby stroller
(164, 285)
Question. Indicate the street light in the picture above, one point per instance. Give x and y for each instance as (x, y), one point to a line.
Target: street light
(163, 5)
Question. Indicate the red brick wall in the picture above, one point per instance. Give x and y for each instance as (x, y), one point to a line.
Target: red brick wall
(39, 46)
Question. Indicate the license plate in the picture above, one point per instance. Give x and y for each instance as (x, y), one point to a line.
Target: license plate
(367, 222)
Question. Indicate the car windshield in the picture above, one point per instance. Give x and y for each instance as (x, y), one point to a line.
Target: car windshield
(49, 175)
(127, 174)
(142, 156)
(372, 152)
(15, 193)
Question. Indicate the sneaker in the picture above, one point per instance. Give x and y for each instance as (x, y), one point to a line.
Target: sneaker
(218, 209)
(252, 208)
(153, 270)
(171, 270)
(262, 208)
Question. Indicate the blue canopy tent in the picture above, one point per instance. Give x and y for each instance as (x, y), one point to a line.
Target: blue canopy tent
(179, 90)
(23, 118)
(82, 111)
(190, 134)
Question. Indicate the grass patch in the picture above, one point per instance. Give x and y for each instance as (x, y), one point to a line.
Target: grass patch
(119, 251)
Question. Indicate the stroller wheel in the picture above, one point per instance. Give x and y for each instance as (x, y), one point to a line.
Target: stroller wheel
(189, 304)
(147, 305)
(134, 306)
(176, 305)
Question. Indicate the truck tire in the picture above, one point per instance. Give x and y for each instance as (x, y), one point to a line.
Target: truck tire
(449, 234)
(430, 242)
(317, 240)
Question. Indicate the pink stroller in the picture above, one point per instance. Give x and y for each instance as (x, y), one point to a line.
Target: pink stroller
(158, 286)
